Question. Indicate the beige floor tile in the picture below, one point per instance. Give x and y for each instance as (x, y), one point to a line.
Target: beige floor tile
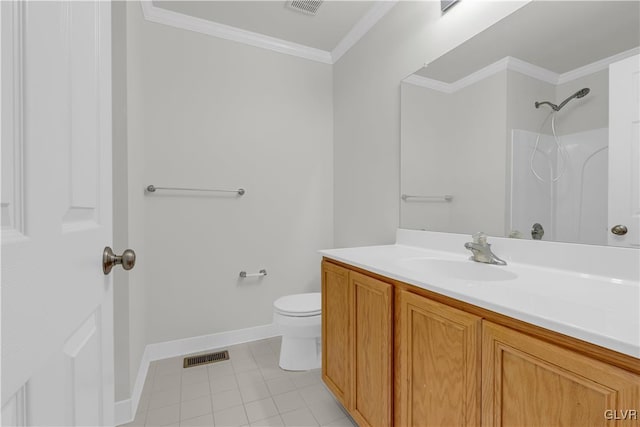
(260, 409)
(325, 411)
(342, 422)
(169, 366)
(275, 421)
(280, 385)
(249, 388)
(255, 391)
(220, 369)
(167, 382)
(271, 372)
(226, 399)
(244, 364)
(249, 378)
(225, 383)
(305, 379)
(299, 418)
(230, 417)
(163, 416)
(195, 390)
(195, 408)
(164, 398)
(315, 393)
(288, 402)
(196, 374)
(202, 421)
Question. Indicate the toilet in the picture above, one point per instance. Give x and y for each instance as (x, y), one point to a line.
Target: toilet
(298, 318)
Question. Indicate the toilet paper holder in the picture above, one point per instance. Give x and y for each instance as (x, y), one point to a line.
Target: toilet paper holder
(244, 274)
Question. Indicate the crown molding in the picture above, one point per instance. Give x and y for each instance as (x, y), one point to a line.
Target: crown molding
(531, 70)
(523, 67)
(596, 66)
(428, 83)
(174, 19)
(361, 28)
(186, 22)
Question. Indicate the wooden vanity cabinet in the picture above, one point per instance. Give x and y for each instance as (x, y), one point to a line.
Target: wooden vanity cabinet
(397, 355)
(337, 345)
(438, 362)
(530, 382)
(372, 358)
(357, 343)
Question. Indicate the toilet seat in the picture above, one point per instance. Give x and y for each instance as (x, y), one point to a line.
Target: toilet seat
(299, 305)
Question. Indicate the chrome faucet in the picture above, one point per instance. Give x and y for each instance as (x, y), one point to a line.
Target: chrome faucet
(482, 250)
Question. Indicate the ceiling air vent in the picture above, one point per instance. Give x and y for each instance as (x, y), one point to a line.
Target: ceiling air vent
(308, 7)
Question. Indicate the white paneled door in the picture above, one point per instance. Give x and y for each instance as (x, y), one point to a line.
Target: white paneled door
(624, 152)
(57, 305)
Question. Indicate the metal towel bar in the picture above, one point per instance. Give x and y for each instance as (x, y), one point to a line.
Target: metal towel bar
(153, 189)
(445, 198)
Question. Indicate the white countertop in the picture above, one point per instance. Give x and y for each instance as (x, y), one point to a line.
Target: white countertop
(599, 309)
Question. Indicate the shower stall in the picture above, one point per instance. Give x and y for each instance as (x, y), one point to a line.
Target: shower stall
(559, 179)
(571, 208)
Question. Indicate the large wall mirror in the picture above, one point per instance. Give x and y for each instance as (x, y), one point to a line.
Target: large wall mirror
(530, 129)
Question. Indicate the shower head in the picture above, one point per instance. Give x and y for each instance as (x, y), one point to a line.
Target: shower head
(579, 94)
(582, 92)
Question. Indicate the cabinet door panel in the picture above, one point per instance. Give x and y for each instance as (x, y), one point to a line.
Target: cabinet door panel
(530, 382)
(438, 364)
(336, 342)
(372, 334)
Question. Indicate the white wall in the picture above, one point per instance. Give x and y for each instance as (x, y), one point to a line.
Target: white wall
(206, 112)
(367, 108)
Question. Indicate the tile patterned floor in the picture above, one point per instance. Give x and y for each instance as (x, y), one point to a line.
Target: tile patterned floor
(249, 389)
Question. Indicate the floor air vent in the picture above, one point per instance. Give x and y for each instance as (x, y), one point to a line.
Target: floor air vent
(203, 359)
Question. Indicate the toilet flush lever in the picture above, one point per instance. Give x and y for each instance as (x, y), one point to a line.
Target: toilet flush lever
(244, 274)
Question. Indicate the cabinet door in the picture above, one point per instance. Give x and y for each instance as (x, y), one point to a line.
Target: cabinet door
(336, 341)
(438, 364)
(371, 329)
(529, 382)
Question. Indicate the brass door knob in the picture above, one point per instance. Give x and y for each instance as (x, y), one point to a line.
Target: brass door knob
(619, 230)
(109, 259)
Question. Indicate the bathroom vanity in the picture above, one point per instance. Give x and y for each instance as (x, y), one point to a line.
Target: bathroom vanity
(415, 334)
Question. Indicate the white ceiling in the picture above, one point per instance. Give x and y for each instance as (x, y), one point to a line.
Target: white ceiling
(324, 31)
(557, 35)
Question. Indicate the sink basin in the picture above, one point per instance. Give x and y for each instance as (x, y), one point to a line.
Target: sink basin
(463, 270)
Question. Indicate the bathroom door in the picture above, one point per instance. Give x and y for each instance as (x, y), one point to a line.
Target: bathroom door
(57, 305)
(624, 152)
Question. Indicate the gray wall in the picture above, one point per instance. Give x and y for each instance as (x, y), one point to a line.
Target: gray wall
(367, 108)
(455, 144)
(302, 137)
(207, 112)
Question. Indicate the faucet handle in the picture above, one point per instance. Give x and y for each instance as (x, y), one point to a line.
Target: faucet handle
(480, 238)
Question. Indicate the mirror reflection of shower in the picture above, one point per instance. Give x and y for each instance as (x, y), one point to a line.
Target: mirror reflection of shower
(565, 189)
(560, 150)
(579, 94)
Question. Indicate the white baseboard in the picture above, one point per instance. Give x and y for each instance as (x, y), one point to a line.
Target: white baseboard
(125, 410)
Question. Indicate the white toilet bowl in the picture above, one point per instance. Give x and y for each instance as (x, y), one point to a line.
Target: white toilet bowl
(298, 318)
